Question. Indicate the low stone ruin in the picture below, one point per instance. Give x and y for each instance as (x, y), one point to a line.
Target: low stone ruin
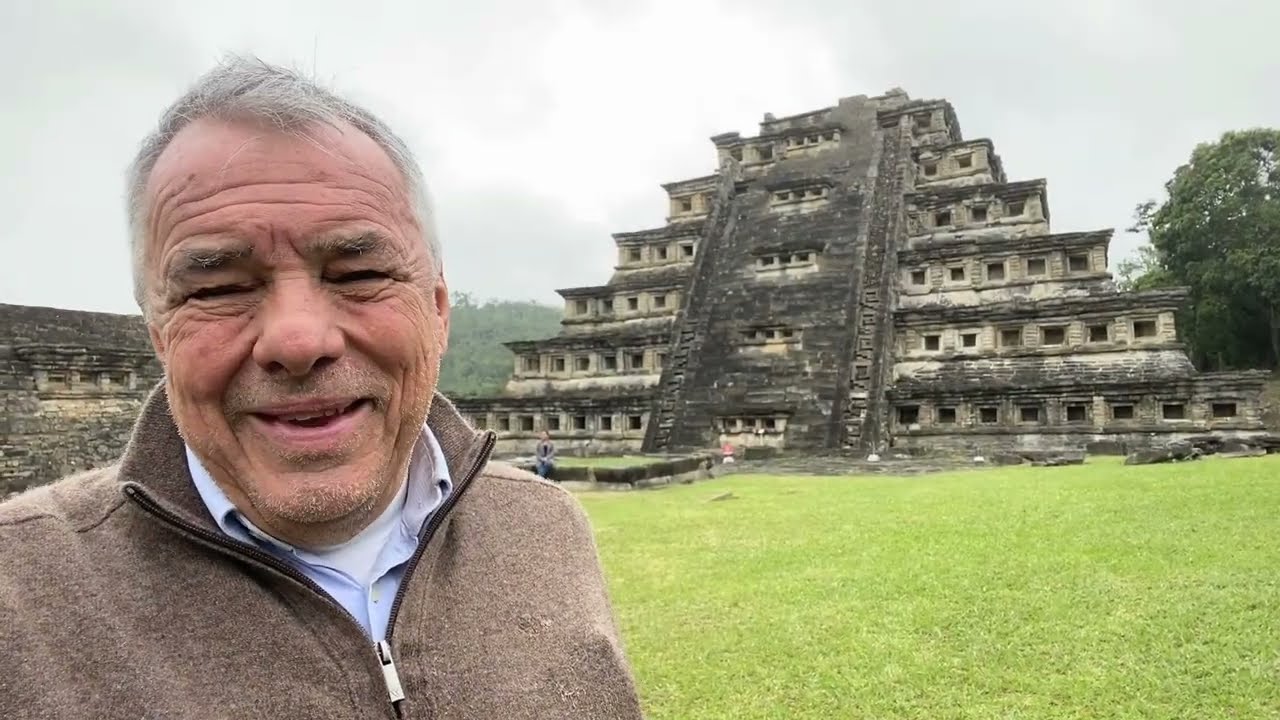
(1203, 445)
(656, 473)
(1036, 458)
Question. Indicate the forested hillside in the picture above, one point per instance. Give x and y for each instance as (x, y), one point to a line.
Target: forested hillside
(477, 363)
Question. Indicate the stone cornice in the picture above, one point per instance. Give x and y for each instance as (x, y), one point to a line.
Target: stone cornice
(83, 357)
(944, 196)
(595, 400)
(800, 244)
(664, 282)
(689, 230)
(891, 116)
(957, 145)
(1048, 309)
(706, 182)
(996, 245)
(803, 181)
(1172, 385)
(568, 343)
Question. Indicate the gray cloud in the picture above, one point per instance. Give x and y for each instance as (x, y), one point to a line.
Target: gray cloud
(509, 243)
(1104, 98)
(544, 126)
(65, 139)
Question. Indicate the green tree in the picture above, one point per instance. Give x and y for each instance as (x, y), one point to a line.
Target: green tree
(1218, 233)
(1143, 271)
(477, 363)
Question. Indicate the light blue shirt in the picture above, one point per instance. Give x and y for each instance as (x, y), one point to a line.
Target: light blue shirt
(363, 574)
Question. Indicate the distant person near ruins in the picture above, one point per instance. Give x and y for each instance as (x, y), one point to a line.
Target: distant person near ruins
(300, 526)
(545, 455)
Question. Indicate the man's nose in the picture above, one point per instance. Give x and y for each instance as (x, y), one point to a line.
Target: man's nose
(298, 330)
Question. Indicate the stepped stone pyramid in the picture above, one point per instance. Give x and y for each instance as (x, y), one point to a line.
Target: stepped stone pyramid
(857, 278)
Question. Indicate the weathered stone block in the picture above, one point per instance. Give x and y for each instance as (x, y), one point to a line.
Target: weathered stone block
(1173, 452)
(1271, 443)
(623, 475)
(1005, 458)
(562, 473)
(1060, 460)
(1245, 452)
(662, 468)
(759, 453)
(1106, 447)
(689, 464)
(1232, 446)
(1148, 457)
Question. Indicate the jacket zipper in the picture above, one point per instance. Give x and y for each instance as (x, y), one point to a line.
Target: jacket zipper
(389, 673)
(432, 524)
(382, 649)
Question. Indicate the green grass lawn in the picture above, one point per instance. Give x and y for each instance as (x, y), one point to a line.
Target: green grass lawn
(1097, 591)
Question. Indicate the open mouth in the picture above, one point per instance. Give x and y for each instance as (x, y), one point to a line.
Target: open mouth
(316, 418)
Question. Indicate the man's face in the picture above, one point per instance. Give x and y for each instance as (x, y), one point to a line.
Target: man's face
(296, 313)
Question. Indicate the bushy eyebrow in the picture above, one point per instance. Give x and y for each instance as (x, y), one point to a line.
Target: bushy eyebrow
(197, 260)
(346, 246)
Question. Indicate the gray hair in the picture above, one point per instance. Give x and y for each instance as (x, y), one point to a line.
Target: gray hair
(248, 88)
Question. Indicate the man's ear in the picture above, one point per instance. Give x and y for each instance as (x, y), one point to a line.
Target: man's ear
(158, 343)
(441, 296)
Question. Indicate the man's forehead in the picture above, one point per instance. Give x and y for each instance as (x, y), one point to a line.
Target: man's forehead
(232, 159)
(211, 148)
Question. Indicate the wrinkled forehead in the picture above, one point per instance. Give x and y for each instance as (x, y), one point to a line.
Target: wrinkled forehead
(216, 151)
(238, 179)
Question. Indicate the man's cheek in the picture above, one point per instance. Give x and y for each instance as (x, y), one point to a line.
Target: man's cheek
(202, 376)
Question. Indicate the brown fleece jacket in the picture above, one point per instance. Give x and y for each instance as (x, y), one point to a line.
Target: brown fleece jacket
(120, 598)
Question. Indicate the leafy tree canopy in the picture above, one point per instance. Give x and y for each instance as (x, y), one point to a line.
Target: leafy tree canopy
(1218, 233)
(477, 363)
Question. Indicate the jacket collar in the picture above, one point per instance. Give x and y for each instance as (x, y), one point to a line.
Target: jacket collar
(155, 461)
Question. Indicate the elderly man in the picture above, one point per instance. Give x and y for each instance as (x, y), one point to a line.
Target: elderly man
(300, 526)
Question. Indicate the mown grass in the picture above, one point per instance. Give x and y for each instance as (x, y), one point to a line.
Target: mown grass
(1078, 592)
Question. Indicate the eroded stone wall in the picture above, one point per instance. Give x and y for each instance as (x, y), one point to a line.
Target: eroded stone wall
(589, 424)
(856, 278)
(770, 367)
(71, 386)
(1011, 337)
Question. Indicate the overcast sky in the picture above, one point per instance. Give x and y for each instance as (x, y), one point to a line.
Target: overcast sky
(543, 126)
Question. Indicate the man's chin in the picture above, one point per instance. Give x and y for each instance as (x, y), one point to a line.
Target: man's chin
(317, 497)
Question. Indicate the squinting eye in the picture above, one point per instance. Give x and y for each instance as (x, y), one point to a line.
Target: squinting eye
(359, 275)
(219, 291)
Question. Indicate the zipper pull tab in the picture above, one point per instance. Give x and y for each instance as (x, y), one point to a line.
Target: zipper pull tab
(389, 672)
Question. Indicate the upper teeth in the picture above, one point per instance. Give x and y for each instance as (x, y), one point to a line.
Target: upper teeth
(310, 416)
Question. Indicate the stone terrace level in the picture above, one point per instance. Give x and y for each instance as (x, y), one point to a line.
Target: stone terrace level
(594, 383)
(71, 386)
(861, 277)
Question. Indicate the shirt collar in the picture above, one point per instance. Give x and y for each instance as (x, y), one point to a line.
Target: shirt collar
(427, 470)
